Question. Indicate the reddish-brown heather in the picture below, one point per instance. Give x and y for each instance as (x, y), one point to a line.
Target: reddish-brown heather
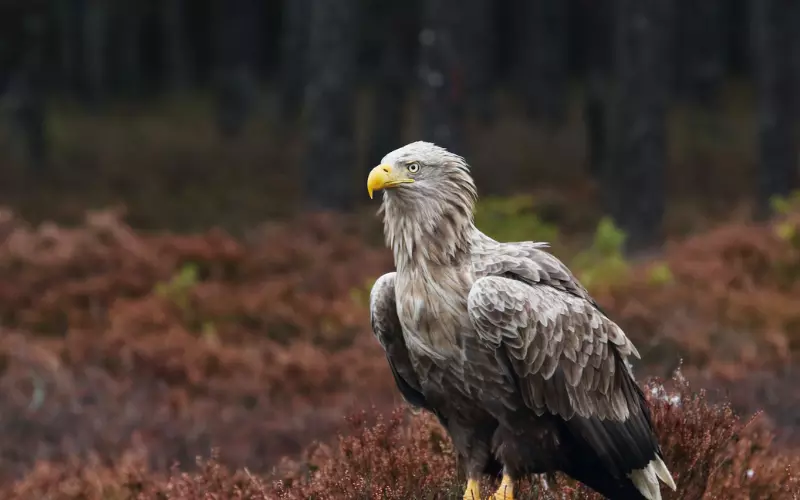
(106, 379)
(711, 453)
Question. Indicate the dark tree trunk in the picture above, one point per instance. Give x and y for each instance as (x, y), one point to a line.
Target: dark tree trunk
(294, 46)
(774, 59)
(177, 67)
(477, 31)
(23, 98)
(544, 31)
(68, 20)
(701, 40)
(392, 80)
(442, 91)
(598, 38)
(238, 38)
(330, 100)
(95, 42)
(129, 43)
(635, 178)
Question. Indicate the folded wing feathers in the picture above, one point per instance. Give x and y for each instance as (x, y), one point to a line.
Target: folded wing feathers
(542, 330)
(567, 331)
(552, 329)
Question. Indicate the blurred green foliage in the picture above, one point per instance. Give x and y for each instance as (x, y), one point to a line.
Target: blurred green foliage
(603, 262)
(178, 289)
(660, 274)
(178, 292)
(787, 212)
(513, 218)
(784, 205)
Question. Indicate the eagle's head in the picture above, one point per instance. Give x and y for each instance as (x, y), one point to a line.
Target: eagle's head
(428, 200)
(422, 173)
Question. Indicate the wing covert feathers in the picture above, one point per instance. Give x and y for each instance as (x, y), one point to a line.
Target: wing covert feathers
(561, 347)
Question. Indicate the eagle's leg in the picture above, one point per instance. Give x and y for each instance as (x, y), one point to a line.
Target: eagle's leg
(475, 457)
(506, 489)
(473, 491)
(472, 441)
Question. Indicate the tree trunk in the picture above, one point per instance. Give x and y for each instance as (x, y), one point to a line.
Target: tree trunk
(701, 51)
(544, 63)
(294, 46)
(238, 38)
(95, 42)
(775, 50)
(392, 80)
(24, 95)
(635, 179)
(330, 100)
(68, 19)
(598, 37)
(442, 89)
(477, 32)
(129, 21)
(176, 58)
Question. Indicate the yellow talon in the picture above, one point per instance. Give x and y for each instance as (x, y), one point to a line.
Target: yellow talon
(473, 491)
(506, 489)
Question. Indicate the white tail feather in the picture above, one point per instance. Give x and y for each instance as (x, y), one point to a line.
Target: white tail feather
(663, 473)
(646, 480)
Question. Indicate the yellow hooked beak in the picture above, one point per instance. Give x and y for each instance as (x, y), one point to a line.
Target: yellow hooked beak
(383, 177)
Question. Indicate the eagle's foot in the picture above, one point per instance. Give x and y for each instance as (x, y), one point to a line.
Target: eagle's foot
(506, 489)
(473, 491)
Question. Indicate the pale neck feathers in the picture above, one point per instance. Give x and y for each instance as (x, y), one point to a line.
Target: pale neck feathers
(431, 236)
(424, 229)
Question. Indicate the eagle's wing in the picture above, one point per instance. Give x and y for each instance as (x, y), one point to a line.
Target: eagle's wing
(528, 262)
(564, 351)
(568, 359)
(386, 327)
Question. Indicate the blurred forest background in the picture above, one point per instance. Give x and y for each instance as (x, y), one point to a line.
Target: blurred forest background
(206, 112)
(187, 246)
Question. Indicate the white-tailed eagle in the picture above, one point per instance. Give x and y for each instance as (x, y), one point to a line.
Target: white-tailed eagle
(502, 343)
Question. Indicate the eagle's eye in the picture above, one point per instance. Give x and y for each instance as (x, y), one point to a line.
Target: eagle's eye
(413, 167)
